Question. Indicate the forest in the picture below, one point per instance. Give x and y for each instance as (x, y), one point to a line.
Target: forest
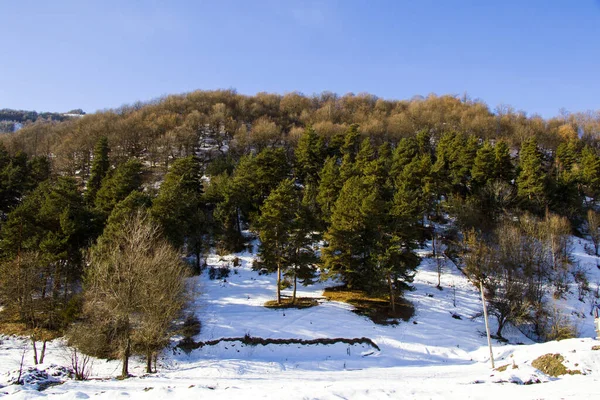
(103, 217)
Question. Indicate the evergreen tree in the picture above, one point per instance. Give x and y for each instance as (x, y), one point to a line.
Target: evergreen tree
(117, 185)
(413, 196)
(504, 169)
(257, 176)
(13, 181)
(51, 226)
(466, 159)
(351, 142)
(329, 188)
(364, 158)
(347, 168)
(100, 167)
(567, 154)
(38, 170)
(136, 202)
(179, 209)
(590, 172)
(484, 167)
(531, 182)
(309, 154)
(350, 236)
(423, 140)
(275, 226)
(404, 153)
(226, 201)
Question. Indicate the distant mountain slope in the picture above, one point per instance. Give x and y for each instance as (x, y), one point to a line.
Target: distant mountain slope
(12, 120)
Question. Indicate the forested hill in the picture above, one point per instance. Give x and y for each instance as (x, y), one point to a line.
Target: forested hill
(11, 120)
(180, 125)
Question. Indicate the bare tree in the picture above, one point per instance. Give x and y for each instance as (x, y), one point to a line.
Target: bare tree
(593, 220)
(23, 287)
(135, 283)
(498, 269)
(438, 255)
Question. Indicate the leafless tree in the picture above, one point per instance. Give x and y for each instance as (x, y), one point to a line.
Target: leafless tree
(593, 220)
(136, 284)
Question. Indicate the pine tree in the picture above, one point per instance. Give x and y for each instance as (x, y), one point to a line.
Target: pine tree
(414, 192)
(227, 202)
(466, 159)
(350, 236)
(329, 188)
(275, 226)
(117, 185)
(347, 168)
(13, 180)
(484, 166)
(567, 154)
(590, 172)
(38, 170)
(303, 258)
(504, 169)
(531, 182)
(364, 159)
(51, 226)
(351, 142)
(309, 154)
(404, 153)
(179, 209)
(100, 167)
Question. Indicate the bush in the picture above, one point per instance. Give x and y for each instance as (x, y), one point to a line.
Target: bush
(221, 272)
(583, 284)
(96, 341)
(552, 365)
(191, 327)
(557, 327)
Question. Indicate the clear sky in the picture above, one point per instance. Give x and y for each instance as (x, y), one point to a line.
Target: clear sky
(536, 55)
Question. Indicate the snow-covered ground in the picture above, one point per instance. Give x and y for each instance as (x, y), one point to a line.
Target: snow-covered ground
(434, 355)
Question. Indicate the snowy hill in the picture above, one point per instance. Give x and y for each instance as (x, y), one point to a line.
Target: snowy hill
(440, 353)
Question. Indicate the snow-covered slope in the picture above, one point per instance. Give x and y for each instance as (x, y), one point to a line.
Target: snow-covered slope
(434, 355)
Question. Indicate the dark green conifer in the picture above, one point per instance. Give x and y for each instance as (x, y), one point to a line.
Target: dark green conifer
(100, 167)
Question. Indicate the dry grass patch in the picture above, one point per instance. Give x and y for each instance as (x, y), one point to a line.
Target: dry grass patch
(20, 329)
(377, 308)
(552, 365)
(301, 302)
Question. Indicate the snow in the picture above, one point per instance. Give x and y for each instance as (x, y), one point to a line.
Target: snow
(434, 355)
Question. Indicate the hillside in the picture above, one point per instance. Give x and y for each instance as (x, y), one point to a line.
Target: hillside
(441, 352)
(13, 120)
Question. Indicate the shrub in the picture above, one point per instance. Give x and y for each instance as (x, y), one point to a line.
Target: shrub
(552, 365)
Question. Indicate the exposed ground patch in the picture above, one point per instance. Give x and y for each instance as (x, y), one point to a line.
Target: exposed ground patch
(552, 365)
(301, 302)
(377, 308)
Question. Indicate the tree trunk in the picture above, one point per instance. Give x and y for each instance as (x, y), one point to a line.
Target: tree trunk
(35, 355)
(149, 362)
(125, 359)
(198, 267)
(392, 294)
(295, 286)
(43, 354)
(279, 283)
(499, 331)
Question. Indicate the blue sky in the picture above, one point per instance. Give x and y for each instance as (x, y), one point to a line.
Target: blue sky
(537, 56)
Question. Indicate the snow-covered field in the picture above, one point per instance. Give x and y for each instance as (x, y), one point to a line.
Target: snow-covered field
(434, 355)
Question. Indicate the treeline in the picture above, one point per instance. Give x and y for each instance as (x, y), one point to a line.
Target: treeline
(83, 217)
(219, 121)
(10, 118)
